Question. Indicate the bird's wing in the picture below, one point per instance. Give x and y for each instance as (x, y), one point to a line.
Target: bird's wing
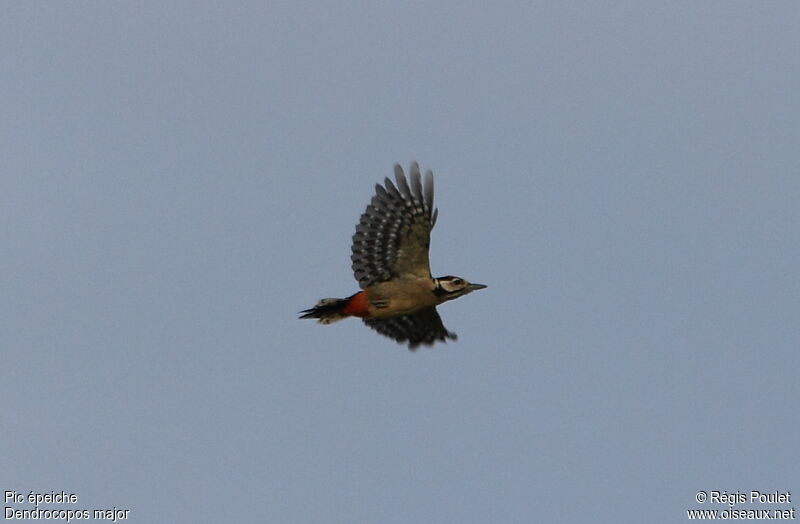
(423, 327)
(392, 237)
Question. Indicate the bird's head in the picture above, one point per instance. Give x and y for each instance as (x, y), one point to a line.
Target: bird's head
(450, 287)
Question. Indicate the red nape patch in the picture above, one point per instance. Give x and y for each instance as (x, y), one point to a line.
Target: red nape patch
(356, 305)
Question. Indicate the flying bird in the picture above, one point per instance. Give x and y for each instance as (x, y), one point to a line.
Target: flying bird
(398, 296)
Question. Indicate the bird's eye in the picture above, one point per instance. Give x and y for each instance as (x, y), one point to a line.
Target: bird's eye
(458, 281)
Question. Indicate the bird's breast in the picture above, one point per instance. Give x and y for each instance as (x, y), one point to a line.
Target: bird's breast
(400, 297)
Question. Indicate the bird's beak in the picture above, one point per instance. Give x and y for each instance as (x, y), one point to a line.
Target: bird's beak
(474, 287)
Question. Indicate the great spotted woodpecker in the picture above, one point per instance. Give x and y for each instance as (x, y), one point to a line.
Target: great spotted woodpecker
(390, 261)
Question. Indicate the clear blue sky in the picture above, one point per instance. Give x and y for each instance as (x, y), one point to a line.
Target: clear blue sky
(178, 179)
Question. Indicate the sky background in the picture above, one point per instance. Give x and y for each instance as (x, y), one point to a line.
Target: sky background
(179, 179)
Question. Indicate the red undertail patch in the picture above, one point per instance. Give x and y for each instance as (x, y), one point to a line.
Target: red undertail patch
(357, 305)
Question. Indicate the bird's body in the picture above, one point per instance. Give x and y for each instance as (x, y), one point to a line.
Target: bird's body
(390, 261)
(392, 298)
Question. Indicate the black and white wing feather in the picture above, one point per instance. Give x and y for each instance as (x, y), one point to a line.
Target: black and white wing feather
(393, 235)
(423, 327)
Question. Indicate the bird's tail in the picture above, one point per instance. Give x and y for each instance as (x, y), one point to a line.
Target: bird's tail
(327, 310)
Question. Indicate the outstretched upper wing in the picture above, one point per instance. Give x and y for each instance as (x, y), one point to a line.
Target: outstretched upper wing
(423, 327)
(392, 238)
